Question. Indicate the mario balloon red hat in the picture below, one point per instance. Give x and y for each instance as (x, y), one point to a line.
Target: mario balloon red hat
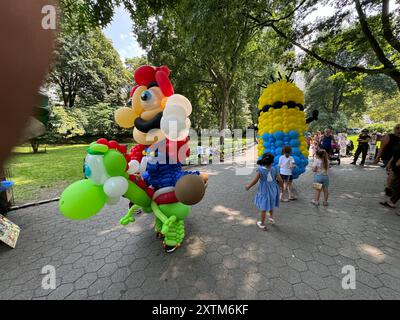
(148, 75)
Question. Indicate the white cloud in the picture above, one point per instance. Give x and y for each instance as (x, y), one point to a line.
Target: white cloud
(123, 36)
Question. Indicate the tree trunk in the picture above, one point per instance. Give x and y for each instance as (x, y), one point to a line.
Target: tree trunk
(223, 121)
(35, 145)
(395, 75)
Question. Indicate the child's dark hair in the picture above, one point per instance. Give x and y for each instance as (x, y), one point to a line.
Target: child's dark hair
(287, 149)
(266, 160)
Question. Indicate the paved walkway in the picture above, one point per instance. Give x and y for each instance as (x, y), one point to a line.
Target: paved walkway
(225, 256)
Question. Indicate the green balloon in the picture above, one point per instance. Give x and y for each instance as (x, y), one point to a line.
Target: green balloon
(177, 209)
(82, 199)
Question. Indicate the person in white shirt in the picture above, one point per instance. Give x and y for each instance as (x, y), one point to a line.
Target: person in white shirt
(286, 164)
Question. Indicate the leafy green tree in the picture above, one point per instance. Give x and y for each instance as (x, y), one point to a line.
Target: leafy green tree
(87, 69)
(372, 33)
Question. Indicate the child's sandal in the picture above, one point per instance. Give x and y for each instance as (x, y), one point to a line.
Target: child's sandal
(271, 220)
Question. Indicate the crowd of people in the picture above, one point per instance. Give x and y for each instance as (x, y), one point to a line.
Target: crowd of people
(275, 182)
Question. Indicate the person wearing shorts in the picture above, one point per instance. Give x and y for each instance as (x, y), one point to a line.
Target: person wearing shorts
(286, 164)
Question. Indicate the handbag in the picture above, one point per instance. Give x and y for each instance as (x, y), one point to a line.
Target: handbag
(317, 186)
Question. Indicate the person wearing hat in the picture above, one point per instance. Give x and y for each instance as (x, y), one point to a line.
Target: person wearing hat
(363, 145)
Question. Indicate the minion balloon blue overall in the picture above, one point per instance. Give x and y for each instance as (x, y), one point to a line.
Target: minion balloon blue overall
(282, 121)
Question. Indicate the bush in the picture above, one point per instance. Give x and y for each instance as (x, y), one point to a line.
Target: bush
(83, 125)
(385, 127)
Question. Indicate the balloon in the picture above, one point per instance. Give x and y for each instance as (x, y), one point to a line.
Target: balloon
(174, 128)
(82, 199)
(125, 117)
(175, 110)
(293, 134)
(113, 201)
(164, 83)
(95, 169)
(190, 189)
(279, 135)
(278, 151)
(144, 75)
(115, 187)
(294, 143)
(134, 167)
(279, 143)
(115, 163)
(180, 100)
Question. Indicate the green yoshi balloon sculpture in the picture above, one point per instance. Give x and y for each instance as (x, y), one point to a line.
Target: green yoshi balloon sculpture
(108, 180)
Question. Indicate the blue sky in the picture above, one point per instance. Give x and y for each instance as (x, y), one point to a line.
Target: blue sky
(120, 32)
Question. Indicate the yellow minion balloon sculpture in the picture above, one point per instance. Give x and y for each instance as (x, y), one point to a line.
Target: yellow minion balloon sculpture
(282, 121)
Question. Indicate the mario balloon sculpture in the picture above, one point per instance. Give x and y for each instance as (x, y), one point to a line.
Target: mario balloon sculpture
(151, 174)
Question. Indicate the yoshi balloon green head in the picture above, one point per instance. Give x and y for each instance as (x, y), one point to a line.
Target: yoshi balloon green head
(107, 180)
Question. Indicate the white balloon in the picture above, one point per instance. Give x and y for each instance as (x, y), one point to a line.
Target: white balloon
(113, 201)
(134, 167)
(143, 165)
(178, 99)
(96, 169)
(115, 187)
(175, 110)
(172, 127)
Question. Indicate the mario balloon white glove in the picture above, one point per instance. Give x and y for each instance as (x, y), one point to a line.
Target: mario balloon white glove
(175, 121)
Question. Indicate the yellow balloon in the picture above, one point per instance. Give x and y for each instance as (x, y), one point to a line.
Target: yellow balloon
(125, 117)
(136, 100)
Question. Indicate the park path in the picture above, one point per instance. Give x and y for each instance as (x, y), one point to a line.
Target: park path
(224, 256)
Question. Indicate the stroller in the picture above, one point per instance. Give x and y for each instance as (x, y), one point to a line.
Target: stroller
(334, 154)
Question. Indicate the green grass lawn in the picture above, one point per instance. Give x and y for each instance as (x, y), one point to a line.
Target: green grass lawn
(44, 175)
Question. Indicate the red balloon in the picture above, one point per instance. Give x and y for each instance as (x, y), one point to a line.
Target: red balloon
(144, 75)
(102, 141)
(121, 148)
(113, 144)
(133, 90)
(164, 83)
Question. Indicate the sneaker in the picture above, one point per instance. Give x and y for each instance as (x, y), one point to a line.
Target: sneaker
(169, 249)
(352, 163)
(315, 202)
(325, 203)
(271, 220)
(284, 200)
(362, 164)
(261, 225)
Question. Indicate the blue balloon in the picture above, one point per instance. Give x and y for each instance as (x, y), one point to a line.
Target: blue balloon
(266, 144)
(265, 136)
(293, 134)
(278, 151)
(279, 135)
(279, 143)
(294, 143)
(296, 151)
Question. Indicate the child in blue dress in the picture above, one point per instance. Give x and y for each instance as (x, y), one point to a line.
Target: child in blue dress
(267, 197)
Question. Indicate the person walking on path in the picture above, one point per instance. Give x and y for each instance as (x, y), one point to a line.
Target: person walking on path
(363, 145)
(286, 164)
(267, 197)
(326, 141)
(388, 143)
(320, 168)
(394, 165)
